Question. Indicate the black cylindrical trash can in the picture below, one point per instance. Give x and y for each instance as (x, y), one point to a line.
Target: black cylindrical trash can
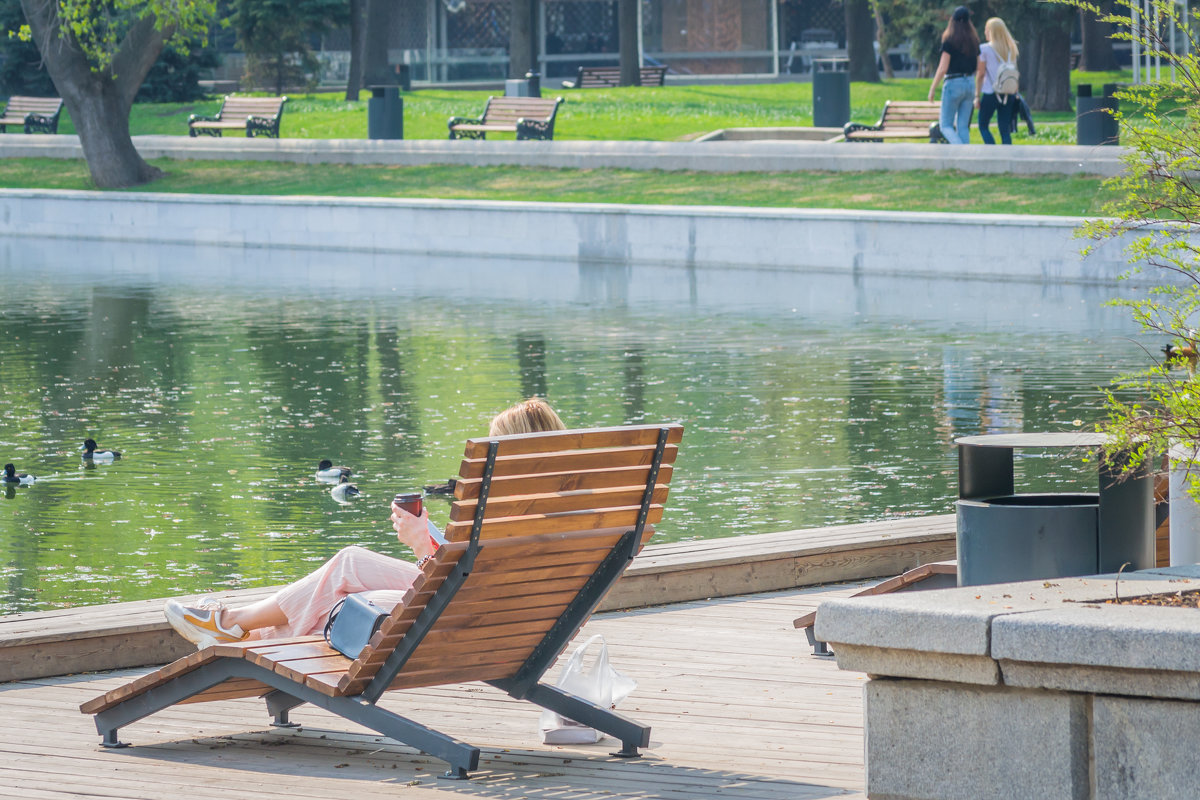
(1094, 122)
(385, 113)
(1025, 537)
(535, 83)
(831, 99)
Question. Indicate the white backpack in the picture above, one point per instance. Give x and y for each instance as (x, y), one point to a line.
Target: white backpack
(1007, 80)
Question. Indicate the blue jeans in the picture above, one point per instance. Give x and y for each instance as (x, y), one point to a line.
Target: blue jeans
(958, 101)
(990, 104)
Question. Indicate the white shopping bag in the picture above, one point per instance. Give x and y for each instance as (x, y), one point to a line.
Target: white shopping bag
(599, 683)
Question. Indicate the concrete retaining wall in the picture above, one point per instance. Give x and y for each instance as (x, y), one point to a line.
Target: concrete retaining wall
(985, 246)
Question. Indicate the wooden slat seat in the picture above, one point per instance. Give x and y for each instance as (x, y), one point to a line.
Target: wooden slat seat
(528, 117)
(257, 116)
(533, 544)
(901, 120)
(33, 114)
(608, 77)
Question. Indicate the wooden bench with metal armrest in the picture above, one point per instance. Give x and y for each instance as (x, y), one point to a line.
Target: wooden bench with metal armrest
(607, 77)
(33, 114)
(528, 117)
(257, 116)
(901, 120)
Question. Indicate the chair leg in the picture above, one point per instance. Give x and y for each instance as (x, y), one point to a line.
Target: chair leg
(461, 756)
(631, 734)
(279, 703)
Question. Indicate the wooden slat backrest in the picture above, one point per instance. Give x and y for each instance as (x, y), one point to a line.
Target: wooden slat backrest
(234, 107)
(910, 113)
(537, 550)
(19, 106)
(593, 77)
(507, 110)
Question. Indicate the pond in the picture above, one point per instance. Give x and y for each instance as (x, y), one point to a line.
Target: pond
(808, 399)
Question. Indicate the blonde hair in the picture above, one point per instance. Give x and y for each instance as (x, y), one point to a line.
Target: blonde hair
(530, 416)
(1002, 41)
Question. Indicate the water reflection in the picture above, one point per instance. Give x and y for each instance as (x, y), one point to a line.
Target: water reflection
(808, 399)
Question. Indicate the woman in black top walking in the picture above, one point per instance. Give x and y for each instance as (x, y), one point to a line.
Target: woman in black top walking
(958, 64)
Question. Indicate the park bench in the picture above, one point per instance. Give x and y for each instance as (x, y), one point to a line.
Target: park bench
(604, 77)
(541, 528)
(528, 117)
(34, 114)
(258, 116)
(906, 119)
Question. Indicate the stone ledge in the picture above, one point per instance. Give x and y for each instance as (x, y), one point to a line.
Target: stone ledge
(959, 621)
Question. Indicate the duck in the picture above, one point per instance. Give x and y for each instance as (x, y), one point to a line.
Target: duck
(344, 490)
(328, 471)
(14, 478)
(90, 451)
(441, 488)
(1181, 355)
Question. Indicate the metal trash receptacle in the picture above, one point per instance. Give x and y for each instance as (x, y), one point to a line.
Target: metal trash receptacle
(385, 113)
(529, 86)
(1094, 122)
(1027, 537)
(831, 94)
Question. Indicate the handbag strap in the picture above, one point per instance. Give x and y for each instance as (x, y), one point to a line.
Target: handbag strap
(333, 612)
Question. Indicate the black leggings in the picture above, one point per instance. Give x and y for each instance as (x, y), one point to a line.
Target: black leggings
(988, 105)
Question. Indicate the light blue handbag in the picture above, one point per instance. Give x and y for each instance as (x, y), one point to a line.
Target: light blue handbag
(352, 623)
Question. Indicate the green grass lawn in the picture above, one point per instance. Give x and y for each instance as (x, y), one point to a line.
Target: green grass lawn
(900, 191)
(669, 113)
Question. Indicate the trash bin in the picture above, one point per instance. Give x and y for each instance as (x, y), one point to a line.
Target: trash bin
(831, 95)
(1027, 537)
(385, 113)
(1094, 122)
(529, 86)
(1005, 535)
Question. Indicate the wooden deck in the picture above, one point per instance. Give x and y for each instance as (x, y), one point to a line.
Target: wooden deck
(738, 705)
(135, 633)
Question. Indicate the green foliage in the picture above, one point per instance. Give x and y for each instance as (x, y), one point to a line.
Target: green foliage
(1158, 183)
(21, 70)
(275, 36)
(175, 77)
(98, 27)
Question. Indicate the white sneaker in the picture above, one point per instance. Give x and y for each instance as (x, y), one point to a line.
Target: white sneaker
(201, 624)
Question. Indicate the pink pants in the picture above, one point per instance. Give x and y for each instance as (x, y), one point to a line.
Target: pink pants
(353, 570)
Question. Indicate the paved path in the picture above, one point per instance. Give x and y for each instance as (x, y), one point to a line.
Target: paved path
(729, 156)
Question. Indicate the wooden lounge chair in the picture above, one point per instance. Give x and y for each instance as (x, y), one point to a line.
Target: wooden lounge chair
(542, 526)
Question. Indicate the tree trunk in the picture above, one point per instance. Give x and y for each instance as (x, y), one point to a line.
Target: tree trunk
(1097, 54)
(520, 42)
(102, 122)
(627, 40)
(99, 102)
(1052, 87)
(885, 43)
(375, 69)
(358, 33)
(860, 41)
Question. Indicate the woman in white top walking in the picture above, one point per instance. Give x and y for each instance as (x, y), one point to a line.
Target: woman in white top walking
(1000, 48)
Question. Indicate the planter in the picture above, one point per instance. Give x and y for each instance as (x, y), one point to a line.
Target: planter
(1034, 689)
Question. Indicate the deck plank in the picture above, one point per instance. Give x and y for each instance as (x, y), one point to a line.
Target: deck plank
(752, 714)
